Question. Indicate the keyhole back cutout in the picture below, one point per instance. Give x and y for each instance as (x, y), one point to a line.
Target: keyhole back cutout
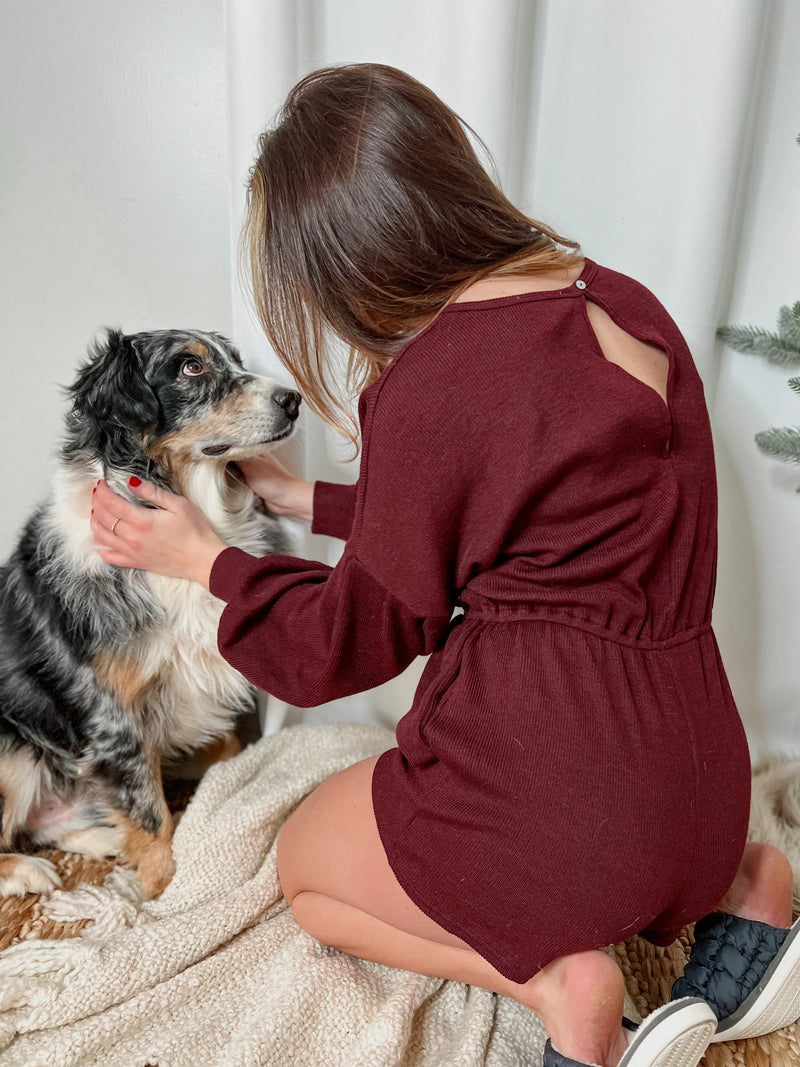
(645, 362)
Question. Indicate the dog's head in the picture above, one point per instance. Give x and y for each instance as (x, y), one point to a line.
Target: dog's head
(151, 403)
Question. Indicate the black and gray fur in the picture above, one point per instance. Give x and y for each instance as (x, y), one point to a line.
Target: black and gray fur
(104, 670)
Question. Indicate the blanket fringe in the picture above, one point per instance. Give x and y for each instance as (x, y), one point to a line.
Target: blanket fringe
(33, 972)
(108, 907)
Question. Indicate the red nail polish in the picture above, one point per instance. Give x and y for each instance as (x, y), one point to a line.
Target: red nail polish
(92, 512)
(94, 490)
(134, 481)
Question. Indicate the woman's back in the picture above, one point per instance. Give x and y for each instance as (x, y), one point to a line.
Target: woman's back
(593, 496)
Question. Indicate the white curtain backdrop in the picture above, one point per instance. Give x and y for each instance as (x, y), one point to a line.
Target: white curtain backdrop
(662, 136)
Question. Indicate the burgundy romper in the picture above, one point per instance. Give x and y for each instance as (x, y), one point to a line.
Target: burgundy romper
(573, 769)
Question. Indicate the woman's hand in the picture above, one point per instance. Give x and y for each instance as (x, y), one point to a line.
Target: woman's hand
(174, 538)
(283, 492)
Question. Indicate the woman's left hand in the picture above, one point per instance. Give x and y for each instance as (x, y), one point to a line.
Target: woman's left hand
(174, 539)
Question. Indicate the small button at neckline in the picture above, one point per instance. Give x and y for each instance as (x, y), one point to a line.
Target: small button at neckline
(580, 284)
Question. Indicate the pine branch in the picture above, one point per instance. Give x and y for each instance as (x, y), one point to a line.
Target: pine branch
(789, 325)
(781, 442)
(761, 342)
(782, 347)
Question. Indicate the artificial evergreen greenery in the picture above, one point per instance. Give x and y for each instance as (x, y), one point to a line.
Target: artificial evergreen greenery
(783, 348)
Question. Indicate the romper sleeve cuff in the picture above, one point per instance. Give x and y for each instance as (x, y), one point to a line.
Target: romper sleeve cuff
(230, 570)
(333, 508)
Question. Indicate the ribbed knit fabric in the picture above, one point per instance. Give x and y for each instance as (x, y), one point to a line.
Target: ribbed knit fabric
(332, 509)
(557, 780)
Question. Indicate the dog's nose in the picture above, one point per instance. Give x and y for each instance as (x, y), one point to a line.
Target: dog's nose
(289, 400)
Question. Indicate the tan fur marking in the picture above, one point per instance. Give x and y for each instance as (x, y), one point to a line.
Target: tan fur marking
(195, 348)
(224, 748)
(223, 420)
(150, 854)
(9, 865)
(122, 676)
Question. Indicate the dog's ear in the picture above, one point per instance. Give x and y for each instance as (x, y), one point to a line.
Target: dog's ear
(111, 386)
(113, 404)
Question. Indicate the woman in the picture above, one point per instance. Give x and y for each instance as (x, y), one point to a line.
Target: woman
(536, 450)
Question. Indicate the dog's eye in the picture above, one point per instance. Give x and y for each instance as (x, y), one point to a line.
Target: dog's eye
(192, 367)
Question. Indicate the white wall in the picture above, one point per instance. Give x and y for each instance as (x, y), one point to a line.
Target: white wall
(113, 199)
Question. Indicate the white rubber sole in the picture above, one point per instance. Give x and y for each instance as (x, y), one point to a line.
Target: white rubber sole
(675, 1035)
(775, 1001)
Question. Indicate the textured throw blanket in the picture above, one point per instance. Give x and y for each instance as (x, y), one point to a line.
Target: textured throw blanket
(217, 972)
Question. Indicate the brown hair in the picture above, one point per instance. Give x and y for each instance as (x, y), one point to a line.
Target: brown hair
(368, 212)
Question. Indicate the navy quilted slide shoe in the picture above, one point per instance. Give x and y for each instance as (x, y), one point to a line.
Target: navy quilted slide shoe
(674, 1035)
(747, 971)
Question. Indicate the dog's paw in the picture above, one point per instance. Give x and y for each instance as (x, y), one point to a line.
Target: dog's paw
(26, 874)
(155, 868)
(156, 878)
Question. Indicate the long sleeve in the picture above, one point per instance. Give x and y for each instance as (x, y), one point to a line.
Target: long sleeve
(333, 509)
(309, 633)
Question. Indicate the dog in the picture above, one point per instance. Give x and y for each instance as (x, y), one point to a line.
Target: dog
(105, 671)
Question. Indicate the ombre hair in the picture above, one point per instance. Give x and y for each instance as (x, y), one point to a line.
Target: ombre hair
(368, 212)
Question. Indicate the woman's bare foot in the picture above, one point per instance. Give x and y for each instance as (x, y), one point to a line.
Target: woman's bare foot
(763, 887)
(580, 999)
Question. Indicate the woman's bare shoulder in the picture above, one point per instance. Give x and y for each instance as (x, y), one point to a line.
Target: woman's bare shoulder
(492, 288)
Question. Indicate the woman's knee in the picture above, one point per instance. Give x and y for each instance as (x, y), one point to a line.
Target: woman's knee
(305, 914)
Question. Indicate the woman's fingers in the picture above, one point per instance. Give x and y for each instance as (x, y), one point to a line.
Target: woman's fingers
(265, 465)
(120, 526)
(111, 514)
(277, 486)
(161, 498)
(172, 538)
(118, 559)
(109, 506)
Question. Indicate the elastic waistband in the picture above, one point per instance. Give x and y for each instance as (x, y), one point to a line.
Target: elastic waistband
(534, 613)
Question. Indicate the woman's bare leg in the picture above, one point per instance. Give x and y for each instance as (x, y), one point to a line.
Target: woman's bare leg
(335, 875)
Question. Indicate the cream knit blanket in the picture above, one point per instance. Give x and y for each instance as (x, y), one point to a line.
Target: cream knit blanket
(217, 972)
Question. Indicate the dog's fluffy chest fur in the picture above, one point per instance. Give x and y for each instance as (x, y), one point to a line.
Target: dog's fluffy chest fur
(198, 693)
(169, 671)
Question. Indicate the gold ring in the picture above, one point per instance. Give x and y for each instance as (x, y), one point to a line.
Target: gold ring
(114, 526)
